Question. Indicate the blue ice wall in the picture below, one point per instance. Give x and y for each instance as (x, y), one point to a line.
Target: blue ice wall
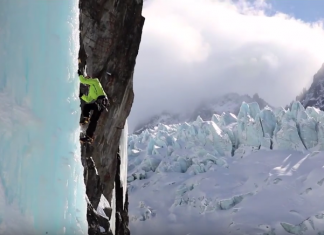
(41, 177)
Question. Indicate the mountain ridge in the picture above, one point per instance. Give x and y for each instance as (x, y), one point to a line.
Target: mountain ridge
(229, 103)
(314, 96)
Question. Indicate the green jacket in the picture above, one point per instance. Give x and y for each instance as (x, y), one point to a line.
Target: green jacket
(95, 89)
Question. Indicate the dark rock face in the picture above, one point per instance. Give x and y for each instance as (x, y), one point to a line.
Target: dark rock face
(314, 96)
(110, 35)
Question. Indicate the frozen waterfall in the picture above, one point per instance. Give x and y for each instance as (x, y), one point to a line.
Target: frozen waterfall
(41, 175)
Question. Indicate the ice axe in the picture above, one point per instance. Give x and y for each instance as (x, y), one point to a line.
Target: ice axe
(109, 74)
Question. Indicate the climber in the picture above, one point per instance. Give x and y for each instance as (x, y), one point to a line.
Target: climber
(96, 100)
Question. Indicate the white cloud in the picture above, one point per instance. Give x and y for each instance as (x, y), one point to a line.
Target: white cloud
(192, 50)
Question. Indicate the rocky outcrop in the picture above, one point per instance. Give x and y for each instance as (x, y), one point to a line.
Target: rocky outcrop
(110, 35)
(314, 96)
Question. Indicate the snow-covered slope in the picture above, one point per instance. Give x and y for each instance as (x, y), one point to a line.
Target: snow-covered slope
(260, 172)
(230, 102)
(165, 118)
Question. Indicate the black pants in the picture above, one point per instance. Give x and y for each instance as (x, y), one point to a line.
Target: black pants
(94, 117)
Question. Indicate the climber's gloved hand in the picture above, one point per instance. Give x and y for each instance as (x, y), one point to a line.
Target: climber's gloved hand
(79, 72)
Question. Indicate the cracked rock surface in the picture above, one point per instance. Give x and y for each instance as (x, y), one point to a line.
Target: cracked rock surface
(110, 36)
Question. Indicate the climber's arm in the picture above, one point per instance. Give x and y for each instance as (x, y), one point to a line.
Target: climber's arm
(88, 81)
(86, 98)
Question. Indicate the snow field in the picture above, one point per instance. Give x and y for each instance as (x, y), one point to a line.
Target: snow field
(258, 173)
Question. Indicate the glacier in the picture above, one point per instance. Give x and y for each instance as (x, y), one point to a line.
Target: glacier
(260, 172)
(41, 176)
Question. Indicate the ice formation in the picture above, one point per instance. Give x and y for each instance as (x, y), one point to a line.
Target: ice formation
(124, 160)
(258, 173)
(41, 177)
(226, 134)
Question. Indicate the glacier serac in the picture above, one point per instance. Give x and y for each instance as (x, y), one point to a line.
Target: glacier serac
(229, 103)
(258, 173)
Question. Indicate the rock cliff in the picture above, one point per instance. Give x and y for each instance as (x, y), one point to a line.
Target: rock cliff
(314, 95)
(110, 35)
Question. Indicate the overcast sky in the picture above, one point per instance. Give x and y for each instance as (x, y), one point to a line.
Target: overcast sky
(191, 50)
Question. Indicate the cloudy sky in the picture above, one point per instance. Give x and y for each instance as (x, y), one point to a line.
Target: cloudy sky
(197, 49)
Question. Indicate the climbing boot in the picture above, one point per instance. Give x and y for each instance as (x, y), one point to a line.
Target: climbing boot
(86, 139)
(84, 121)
